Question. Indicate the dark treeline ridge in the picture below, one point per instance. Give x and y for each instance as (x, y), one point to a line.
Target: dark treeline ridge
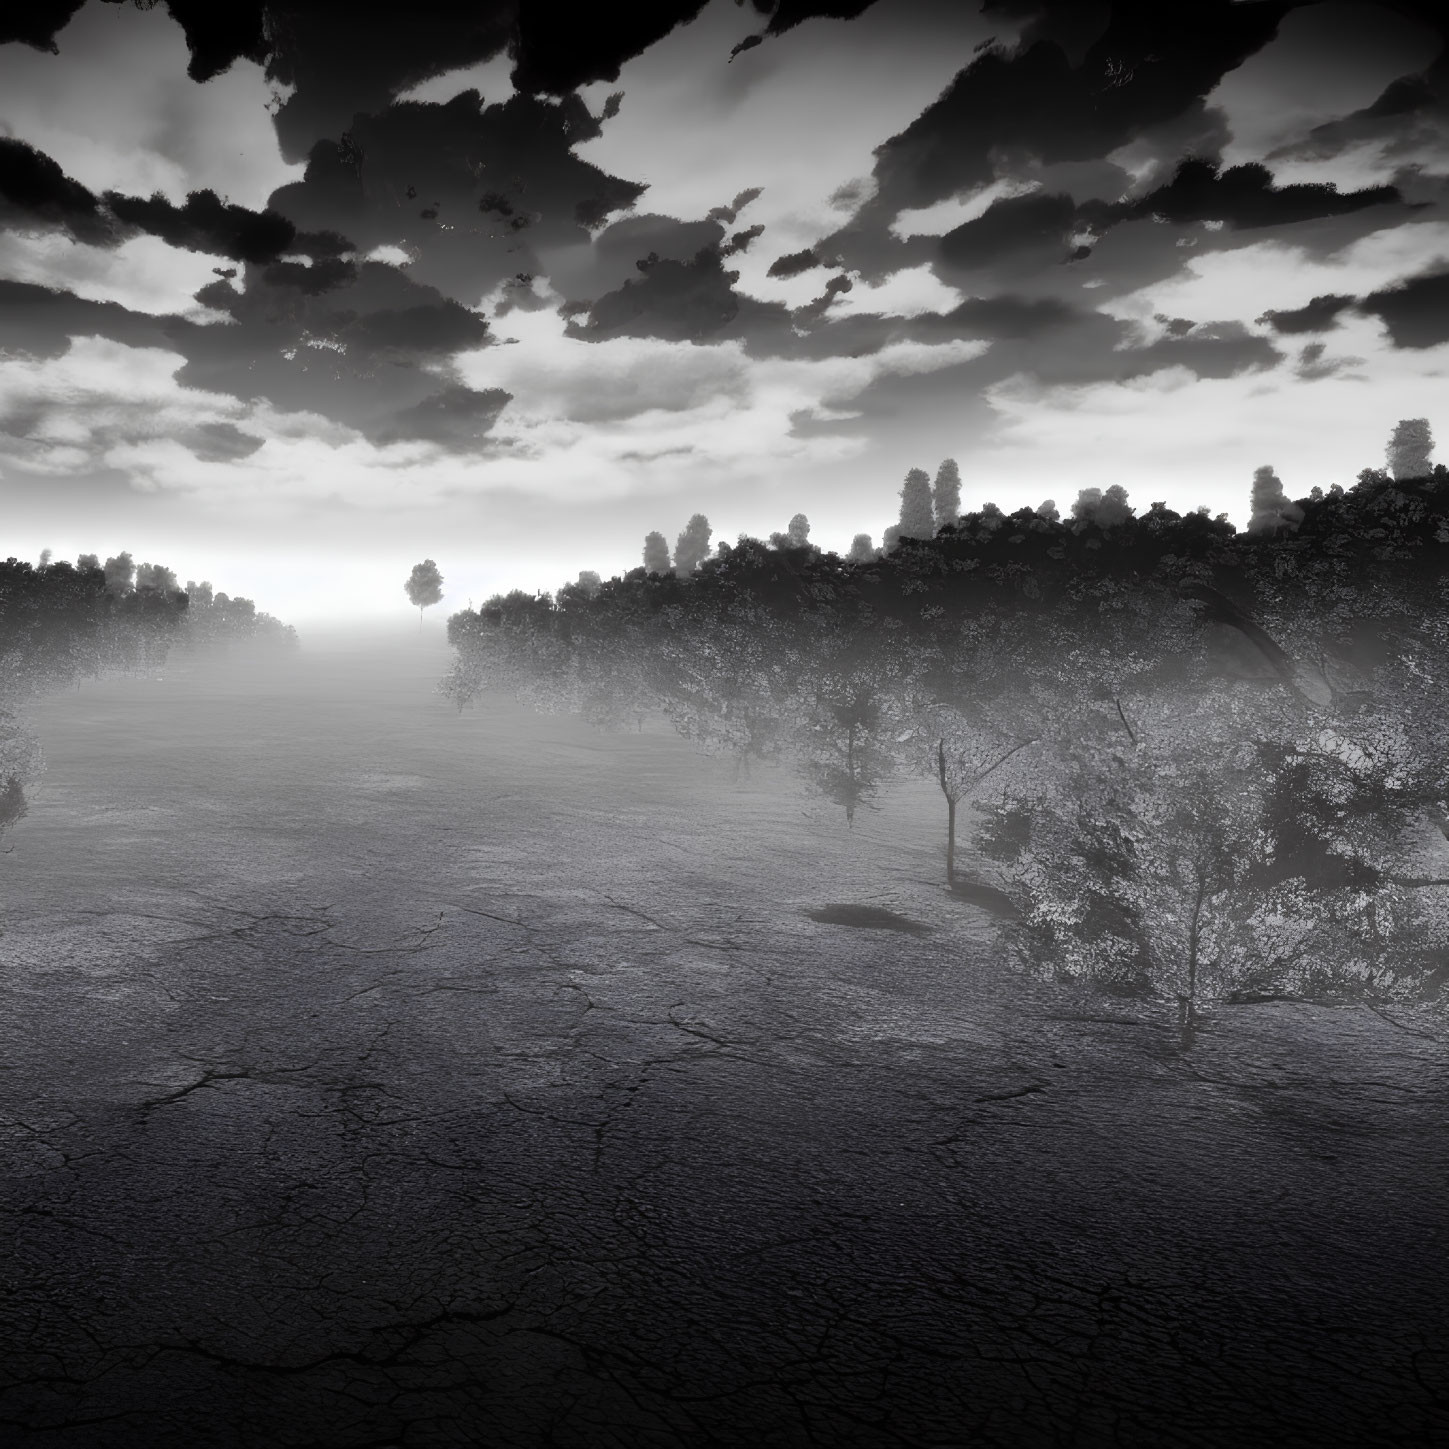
(61, 623)
(1194, 762)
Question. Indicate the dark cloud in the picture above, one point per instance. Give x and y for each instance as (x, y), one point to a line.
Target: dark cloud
(474, 194)
(1209, 350)
(35, 191)
(794, 263)
(1020, 228)
(1319, 315)
(455, 417)
(1245, 197)
(1416, 312)
(369, 352)
(205, 223)
(221, 442)
(1150, 64)
(1008, 316)
(40, 321)
(691, 301)
(36, 22)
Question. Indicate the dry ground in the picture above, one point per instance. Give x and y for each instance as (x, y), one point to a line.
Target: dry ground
(372, 1075)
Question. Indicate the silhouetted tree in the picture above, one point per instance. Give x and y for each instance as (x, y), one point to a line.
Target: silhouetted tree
(589, 582)
(88, 561)
(1272, 510)
(861, 549)
(120, 573)
(1047, 511)
(917, 517)
(692, 547)
(46, 555)
(946, 493)
(1409, 449)
(1106, 509)
(798, 531)
(656, 553)
(424, 587)
(156, 576)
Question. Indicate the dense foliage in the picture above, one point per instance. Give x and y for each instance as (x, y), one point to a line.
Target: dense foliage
(1199, 762)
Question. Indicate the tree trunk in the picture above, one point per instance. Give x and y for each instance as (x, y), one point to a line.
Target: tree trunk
(950, 814)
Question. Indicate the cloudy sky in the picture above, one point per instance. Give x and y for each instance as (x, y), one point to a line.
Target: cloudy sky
(293, 294)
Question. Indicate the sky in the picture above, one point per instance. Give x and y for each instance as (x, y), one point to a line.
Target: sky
(293, 295)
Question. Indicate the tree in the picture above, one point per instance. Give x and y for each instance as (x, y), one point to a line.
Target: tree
(589, 582)
(120, 573)
(156, 576)
(46, 554)
(1047, 511)
(424, 587)
(946, 493)
(917, 517)
(692, 547)
(87, 561)
(656, 553)
(1106, 510)
(861, 550)
(1272, 511)
(1409, 449)
(798, 531)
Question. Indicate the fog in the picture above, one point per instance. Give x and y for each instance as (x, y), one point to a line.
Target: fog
(380, 1073)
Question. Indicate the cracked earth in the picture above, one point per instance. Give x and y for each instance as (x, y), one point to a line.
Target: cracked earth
(375, 1077)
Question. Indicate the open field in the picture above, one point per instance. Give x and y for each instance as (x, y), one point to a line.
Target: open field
(372, 1075)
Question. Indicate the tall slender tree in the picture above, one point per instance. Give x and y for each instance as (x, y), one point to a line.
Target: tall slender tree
(918, 519)
(692, 548)
(656, 553)
(946, 493)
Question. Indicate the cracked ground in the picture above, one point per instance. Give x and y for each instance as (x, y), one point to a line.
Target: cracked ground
(376, 1077)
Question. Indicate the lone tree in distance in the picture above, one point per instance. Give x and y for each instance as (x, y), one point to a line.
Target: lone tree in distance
(1409, 449)
(656, 553)
(861, 549)
(424, 587)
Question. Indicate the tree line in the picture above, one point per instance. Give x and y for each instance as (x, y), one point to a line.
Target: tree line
(1195, 761)
(61, 623)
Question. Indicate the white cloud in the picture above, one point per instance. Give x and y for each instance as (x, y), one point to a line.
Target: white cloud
(490, 78)
(392, 255)
(1243, 283)
(799, 115)
(906, 293)
(116, 110)
(144, 274)
(956, 211)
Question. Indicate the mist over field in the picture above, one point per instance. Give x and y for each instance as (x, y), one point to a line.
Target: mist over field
(383, 1074)
(724, 724)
